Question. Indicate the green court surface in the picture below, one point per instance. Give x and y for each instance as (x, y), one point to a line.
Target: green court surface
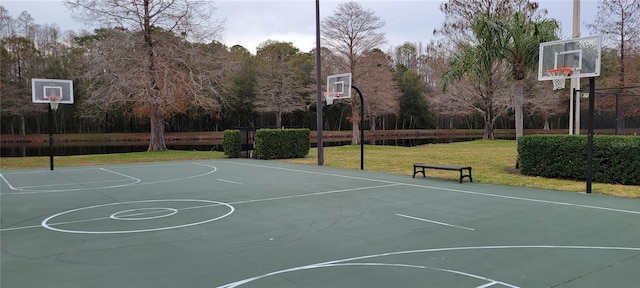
(251, 223)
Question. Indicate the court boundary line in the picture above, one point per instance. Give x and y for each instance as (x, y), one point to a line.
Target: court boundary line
(69, 184)
(446, 189)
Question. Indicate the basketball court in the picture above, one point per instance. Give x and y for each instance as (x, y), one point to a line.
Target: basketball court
(252, 223)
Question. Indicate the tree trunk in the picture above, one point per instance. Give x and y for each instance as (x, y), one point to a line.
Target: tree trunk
(355, 122)
(279, 119)
(157, 120)
(488, 125)
(372, 123)
(546, 123)
(157, 132)
(355, 139)
(517, 106)
(22, 126)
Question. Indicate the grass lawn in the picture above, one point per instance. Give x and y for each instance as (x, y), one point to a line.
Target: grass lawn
(490, 159)
(7, 163)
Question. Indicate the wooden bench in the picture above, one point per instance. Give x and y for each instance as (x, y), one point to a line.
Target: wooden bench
(420, 167)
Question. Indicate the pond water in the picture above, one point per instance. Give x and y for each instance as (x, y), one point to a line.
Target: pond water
(85, 148)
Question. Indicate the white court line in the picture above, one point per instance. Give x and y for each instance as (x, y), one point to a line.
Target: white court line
(5, 181)
(217, 204)
(71, 184)
(291, 196)
(20, 228)
(229, 181)
(434, 250)
(51, 185)
(312, 194)
(138, 181)
(448, 189)
(54, 224)
(49, 226)
(435, 222)
(488, 284)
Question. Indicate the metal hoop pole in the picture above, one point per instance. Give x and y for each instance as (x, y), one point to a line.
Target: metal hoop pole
(50, 138)
(319, 120)
(592, 101)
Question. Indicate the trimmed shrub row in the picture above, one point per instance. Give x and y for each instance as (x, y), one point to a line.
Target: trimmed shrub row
(616, 159)
(232, 143)
(282, 143)
(271, 143)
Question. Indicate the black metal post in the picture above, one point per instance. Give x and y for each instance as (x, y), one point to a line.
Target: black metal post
(618, 116)
(50, 138)
(319, 90)
(573, 110)
(592, 98)
(361, 127)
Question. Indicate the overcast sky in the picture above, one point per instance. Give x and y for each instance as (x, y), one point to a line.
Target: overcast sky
(251, 22)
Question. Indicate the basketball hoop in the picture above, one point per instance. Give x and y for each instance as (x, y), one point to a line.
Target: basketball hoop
(559, 75)
(54, 101)
(330, 96)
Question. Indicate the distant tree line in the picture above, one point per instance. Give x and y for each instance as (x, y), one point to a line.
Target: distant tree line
(157, 70)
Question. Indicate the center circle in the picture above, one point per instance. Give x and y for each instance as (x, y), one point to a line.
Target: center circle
(136, 214)
(141, 213)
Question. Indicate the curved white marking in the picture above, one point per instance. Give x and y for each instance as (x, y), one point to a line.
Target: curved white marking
(312, 266)
(490, 281)
(45, 222)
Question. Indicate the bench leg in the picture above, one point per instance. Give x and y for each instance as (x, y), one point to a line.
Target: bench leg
(462, 175)
(467, 175)
(415, 171)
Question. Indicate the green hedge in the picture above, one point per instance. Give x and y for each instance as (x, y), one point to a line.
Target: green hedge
(282, 143)
(615, 158)
(232, 143)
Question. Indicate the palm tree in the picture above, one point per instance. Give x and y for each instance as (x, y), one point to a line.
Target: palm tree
(517, 41)
(480, 64)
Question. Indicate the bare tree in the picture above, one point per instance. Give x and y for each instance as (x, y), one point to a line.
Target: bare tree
(377, 83)
(619, 23)
(6, 23)
(156, 69)
(540, 100)
(486, 94)
(278, 85)
(20, 62)
(433, 65)
(25, 25)
(349, 33)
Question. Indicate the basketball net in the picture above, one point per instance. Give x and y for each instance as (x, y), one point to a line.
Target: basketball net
(330, 96)
(54, 101)
(559, 75)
